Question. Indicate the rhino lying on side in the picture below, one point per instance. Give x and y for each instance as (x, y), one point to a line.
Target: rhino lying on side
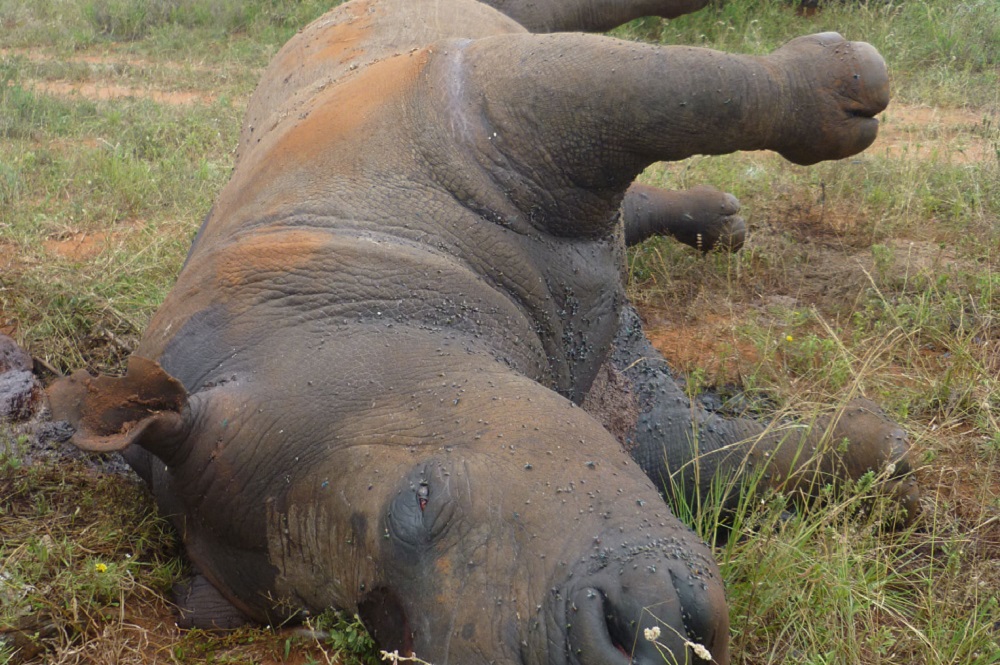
(363, 391)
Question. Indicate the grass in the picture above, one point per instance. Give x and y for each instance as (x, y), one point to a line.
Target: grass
(878, 275)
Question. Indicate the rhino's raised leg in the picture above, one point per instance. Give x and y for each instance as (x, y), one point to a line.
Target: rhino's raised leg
(562, 124)
(589, 15)
(702, 217)
(694, 454)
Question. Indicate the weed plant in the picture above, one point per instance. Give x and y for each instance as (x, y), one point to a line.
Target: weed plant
(877, 275)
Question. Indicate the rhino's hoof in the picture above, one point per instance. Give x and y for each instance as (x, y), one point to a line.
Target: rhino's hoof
(710, 220)
(878, 444)
(731, 234)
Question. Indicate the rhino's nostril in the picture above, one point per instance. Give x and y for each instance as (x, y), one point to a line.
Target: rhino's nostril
(594, 634)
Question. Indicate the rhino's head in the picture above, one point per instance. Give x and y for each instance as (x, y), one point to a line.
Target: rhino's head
(473, 518)
(492, 521)
(536, 552)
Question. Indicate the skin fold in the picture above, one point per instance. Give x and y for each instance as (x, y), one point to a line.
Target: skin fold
(364, 390)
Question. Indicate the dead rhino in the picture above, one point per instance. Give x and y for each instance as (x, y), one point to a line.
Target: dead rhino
(363, 391)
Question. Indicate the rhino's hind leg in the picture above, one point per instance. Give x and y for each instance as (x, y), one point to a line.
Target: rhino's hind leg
(702, 217)
(200, 605)
(696, 455)
(864, 438)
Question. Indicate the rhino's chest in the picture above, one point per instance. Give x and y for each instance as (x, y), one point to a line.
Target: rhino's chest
(585, 291)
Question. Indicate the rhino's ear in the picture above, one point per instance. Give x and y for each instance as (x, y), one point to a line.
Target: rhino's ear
(144, 407)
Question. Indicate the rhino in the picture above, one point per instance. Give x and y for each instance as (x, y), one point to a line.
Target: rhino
(381, 382)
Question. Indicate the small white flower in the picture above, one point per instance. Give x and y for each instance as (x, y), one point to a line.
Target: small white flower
(652, 634)
(890, 468)
(699, 650)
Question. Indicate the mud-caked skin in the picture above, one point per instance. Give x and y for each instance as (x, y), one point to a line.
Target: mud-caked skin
(363, 390)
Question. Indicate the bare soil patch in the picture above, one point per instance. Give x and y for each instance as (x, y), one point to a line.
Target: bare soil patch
(935, 134)
(106, 66)
(704, 333)
(79, 246)
(112, 56)
(708, 342)
(104, 91)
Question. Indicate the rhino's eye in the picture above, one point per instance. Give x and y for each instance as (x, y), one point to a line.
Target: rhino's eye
(422, 509)
(422, 494)
(436, 505)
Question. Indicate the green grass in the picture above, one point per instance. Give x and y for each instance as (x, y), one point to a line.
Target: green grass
(878, 275)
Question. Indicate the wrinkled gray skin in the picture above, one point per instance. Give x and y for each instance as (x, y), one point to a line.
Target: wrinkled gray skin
(362, 391)
(588, 15)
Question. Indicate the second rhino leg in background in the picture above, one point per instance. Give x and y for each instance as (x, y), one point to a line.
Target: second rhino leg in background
(694, 454)
(702, 217)
(589, 15)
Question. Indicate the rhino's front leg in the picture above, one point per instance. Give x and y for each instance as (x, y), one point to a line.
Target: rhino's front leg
(695, 455)
(562, 124)
(702, 217)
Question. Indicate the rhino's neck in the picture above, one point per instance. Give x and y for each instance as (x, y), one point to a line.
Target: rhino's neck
(540, 305)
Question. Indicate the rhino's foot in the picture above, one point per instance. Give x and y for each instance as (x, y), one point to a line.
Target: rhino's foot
(702, 217)
(859, 440)
(866, 440)
(709, 220)
(837, 89)
(200, 605)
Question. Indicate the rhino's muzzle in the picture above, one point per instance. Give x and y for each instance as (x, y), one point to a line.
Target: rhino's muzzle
(645, 610)
(601, 631)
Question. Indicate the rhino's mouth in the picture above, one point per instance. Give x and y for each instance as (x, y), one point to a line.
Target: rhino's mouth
(383, 615)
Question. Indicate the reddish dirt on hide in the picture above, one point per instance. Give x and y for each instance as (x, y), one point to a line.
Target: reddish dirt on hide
(309, 140)
(340, 44)
(288, 157)
(267, 253)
